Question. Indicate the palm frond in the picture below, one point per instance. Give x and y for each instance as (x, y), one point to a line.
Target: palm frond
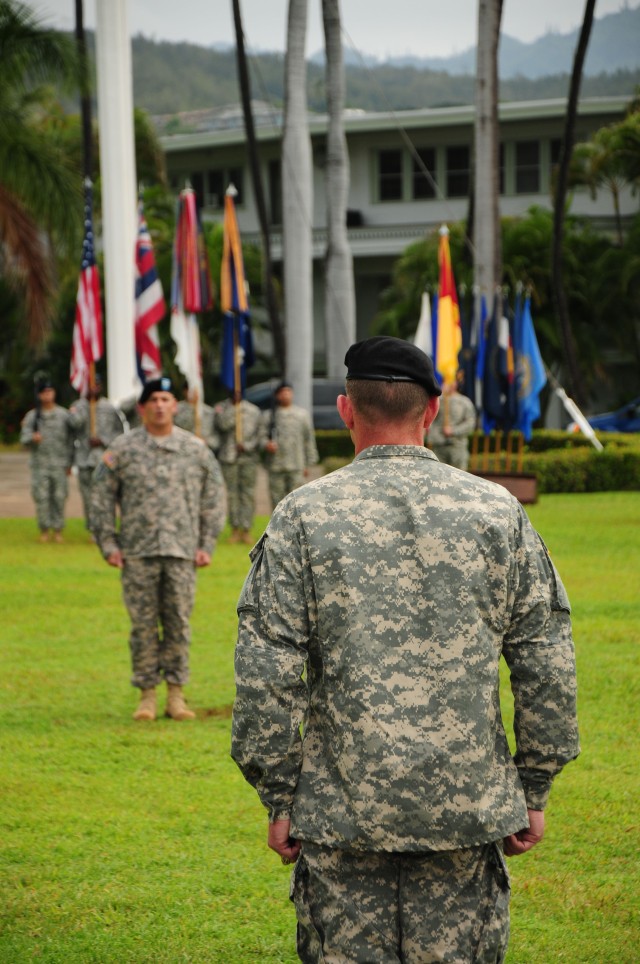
(25, 260)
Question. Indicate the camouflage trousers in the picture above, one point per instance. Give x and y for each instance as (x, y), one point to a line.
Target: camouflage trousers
(281, 483)
(85, 477)
(454, 453)
(240, 480)
(49, 488)
(373, 908)
(159, 593)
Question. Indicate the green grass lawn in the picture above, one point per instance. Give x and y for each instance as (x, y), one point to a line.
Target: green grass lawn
(126, 842)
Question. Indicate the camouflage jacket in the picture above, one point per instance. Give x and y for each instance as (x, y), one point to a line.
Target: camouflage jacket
(185, 418)
(108, 426)
(253, 430)
(372, 623)
(292, 430)
(55, 451)
(462, 419)
(170, 492)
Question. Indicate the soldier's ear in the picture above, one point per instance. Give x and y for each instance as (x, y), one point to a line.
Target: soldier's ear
(431, 410)
(345, 410)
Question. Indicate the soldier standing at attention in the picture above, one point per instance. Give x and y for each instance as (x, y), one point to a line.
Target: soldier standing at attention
(47, 434)
(186, 418)
(89, 448)
(170, 492)
(450, 430)
(367, 713)
(290, 446)
(239, 454)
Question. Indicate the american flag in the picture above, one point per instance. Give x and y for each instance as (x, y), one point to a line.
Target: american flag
(87, 344)
(149, 304)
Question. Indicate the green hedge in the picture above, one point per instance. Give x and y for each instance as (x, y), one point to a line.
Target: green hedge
(561, 462)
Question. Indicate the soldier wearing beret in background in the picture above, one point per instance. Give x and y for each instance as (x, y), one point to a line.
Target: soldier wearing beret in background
(170, 491)
(380, 601)
(290, 444)
(46, 432)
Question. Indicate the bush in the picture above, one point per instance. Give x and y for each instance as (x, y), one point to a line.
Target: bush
(560, 461)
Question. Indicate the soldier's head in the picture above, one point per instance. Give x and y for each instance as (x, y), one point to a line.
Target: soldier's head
(389, 382)
(158, 404)
(284, 394)
(45, 390)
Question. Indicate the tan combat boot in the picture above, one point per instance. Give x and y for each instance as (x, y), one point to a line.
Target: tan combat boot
(177, 709)
(235, 536)
(147, 706)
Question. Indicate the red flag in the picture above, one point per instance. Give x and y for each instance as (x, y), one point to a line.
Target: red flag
(449, 331)
(87, 344)
(149, 304)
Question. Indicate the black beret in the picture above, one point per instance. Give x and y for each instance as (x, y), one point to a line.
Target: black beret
(386, 359)
(162, 384)
(43, 383)
(281, 385)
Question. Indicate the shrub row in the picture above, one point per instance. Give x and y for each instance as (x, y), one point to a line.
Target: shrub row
(561, 462)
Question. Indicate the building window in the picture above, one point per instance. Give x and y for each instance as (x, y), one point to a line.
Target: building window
(390, 175)
(458, 171)
(217, 183)
(197, 183)
(527, 167)
(424, 184)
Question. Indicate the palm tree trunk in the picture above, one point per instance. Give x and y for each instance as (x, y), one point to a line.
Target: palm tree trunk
(486, 215)
(277, 330)
(559, 295)
(339, 304)
(297, 210)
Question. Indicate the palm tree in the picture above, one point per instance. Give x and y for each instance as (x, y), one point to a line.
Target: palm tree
(610, 160)
(560, 297)
(486, 217)
(297, 210)
(37, 185)
(339, 306)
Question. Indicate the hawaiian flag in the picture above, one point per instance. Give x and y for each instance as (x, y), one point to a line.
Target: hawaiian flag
(191, 291)
(449, 332)
(87, 346)
(149, 304)
(237, 339)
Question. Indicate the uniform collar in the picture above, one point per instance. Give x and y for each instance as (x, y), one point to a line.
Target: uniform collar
(396, 452)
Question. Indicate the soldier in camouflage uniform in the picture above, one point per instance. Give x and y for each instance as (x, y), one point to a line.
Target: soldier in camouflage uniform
(186, 418)
(290, 445)
(379, 603)
(90, 448)
(239, 460)
(170, 491)
(47, 434)
(451, 428)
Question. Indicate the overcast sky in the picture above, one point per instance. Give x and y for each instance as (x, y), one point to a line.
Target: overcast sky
(428, 28)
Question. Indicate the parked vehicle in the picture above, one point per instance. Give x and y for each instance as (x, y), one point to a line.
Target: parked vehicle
(625, 419)
(325, 393)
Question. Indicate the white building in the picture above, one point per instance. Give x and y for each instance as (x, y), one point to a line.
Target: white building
(391, 201)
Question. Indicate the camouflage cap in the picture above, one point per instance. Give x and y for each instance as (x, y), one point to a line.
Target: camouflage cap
(388, 359)
(162, 384)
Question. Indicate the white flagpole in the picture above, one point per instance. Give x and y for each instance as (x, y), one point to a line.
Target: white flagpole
(117, 165)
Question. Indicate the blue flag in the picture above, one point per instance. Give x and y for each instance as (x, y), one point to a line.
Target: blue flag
(468, 353)
(530, 374)
(243, 342)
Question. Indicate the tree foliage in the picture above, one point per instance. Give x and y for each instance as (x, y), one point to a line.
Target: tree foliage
(602, 282)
